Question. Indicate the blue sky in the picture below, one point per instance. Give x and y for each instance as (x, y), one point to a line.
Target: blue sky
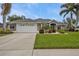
(37, 10)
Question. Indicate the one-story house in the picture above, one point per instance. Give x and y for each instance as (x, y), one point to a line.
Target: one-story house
(30, 25)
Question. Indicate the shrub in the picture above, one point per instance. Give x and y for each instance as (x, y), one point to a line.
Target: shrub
(41, 31)
(6, 32)
(1, 30)
(50, 31)
(76, 30)
(72, 30)
(53, 31)
(62, 31)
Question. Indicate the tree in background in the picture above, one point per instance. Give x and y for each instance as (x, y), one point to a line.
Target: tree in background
(15, 17)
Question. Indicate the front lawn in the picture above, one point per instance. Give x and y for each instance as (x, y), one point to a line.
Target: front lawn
(49, 41)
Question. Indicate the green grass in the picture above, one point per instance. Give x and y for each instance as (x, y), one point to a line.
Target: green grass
(49, 41)
(5, 34)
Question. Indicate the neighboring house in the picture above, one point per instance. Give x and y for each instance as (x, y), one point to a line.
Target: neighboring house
(29, 25)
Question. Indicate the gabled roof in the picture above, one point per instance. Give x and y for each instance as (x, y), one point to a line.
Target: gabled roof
(42, 20)
(39, 20)
(53, 21)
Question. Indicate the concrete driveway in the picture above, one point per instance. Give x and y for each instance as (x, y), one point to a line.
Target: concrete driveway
(17, 44)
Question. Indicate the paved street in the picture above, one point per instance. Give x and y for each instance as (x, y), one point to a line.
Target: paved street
(17, 44)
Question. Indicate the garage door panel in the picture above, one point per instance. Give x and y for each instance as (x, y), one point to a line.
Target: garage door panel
(26, 28)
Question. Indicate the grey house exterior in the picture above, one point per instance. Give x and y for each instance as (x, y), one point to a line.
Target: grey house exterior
(29, 25)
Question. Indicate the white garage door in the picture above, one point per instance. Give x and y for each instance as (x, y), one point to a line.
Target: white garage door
(26, 28)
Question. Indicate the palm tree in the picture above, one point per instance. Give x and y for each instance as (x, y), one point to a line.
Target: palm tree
(73, 8)
(6, 7)
(76, 6)
(70, 25)
(68, 8)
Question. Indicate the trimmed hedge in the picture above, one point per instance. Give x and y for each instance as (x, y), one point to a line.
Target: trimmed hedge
(41, 31)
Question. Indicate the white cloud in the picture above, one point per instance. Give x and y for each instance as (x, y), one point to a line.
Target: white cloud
(27, 13)
(16, 12)
(30, 14)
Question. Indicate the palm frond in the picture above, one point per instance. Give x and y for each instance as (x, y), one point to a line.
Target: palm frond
(6, 7)
(64, 5)
(74, 12)
(63, 11)
(65, 14)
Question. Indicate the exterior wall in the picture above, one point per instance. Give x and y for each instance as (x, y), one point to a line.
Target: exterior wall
(38, 26)
(41, 25)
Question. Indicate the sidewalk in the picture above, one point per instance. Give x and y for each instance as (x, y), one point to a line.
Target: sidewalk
(56, 52)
